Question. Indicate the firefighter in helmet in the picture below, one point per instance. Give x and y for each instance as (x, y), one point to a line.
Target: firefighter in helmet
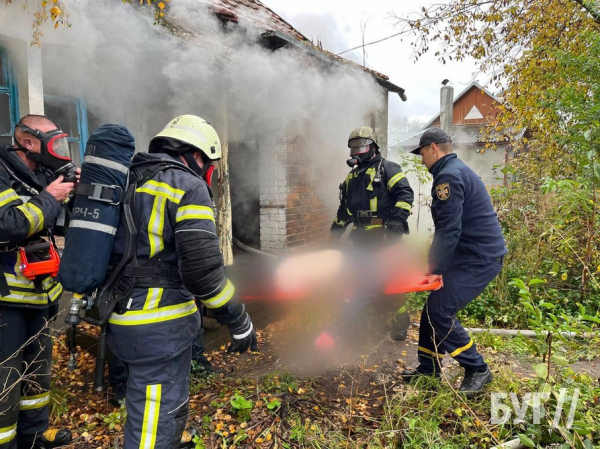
(152, 332)
(376, 199)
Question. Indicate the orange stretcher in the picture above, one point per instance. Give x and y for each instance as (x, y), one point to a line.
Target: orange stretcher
(395, 288)
(421, 285)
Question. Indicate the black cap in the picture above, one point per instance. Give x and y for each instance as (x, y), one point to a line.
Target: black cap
(432, 135)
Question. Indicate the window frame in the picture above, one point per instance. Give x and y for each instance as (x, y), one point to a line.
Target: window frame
(82, 120)
(10, 77)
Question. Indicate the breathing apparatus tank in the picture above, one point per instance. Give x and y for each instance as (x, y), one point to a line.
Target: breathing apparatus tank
(96, 209)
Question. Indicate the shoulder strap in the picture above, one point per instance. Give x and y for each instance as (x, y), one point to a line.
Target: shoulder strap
(140, 173)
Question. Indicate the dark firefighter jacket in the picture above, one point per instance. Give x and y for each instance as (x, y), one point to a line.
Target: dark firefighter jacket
(26, 214)
(466, 225)
(370, 204)
(173, 213)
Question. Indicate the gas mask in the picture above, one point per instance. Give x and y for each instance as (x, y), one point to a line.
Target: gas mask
(55, 152)
(205, 172)
(360, 152)
(177, 148)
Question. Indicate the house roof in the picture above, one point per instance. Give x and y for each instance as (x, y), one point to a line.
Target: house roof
(472, 134)
(256, 13)
(277, 29)
(473, 85)
(461, 134)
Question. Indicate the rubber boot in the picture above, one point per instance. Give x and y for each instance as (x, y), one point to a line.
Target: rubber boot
(187, 438)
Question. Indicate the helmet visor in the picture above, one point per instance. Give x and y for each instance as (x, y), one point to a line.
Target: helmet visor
(58, 146)
(359, 146)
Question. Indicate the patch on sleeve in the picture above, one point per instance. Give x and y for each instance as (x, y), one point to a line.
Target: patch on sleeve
(443, 191)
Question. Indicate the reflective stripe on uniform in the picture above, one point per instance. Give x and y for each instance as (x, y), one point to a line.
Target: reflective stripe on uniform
(8, 433)
(153, 298)
(394, 179)
(403, 205)
(340, 222)
(156, 226)
(373, 204)
(225, 295)
(371, 172)
(161, 189)
(8, 196)
(244, 335)
(151, 414)
(37, 401)
(195, 212)
(55, 293)
(105, 163)
(31, 296)
(464, 348)
(34, 216)
(22, 282)
(368, 228)
(93, 226)
(25, 298)
(137, 317)
(429, 352)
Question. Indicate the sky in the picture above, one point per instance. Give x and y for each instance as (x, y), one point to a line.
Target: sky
(337, 24)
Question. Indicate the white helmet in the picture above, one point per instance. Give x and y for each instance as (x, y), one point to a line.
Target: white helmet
(194, 131)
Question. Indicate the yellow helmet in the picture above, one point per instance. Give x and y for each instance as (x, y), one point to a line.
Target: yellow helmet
(194, 131)
(364, 132)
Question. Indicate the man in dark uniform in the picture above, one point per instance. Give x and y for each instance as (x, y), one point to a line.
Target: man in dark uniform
(377, 199)
(152, 331)
(466, 255)
(31, 207)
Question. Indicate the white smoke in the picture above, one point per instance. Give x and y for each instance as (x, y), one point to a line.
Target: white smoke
(140, 75)
(126, 69)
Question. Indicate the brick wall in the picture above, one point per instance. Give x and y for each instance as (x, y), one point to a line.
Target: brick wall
(293, 187)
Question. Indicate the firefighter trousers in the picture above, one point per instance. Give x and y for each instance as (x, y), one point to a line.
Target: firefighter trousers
(25, 364)
(157, 402)
(440, 330)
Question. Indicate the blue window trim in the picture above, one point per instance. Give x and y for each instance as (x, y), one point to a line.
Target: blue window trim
(82, 121)
(11, 88)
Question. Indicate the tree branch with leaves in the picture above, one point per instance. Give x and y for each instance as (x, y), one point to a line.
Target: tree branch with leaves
(56, 12)
(521, 45)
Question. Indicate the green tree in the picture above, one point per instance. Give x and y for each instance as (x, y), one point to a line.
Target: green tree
(533, 50)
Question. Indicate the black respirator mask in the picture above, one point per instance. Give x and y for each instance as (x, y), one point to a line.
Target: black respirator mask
(361, 151)
(176, 148)
(55, 152)
(205, 172)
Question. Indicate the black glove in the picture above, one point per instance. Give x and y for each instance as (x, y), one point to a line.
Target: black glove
(243, 334)
(395, 228)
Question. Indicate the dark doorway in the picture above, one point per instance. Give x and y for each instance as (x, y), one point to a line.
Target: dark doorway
(244, 176)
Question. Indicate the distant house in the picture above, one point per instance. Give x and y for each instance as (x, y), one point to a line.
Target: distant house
(464, 119)
(281, 195)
